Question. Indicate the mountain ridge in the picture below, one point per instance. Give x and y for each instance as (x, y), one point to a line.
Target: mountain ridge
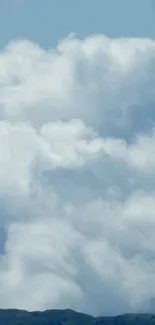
(70, 317)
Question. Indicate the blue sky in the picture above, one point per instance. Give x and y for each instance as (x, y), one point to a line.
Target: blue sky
(47, 21)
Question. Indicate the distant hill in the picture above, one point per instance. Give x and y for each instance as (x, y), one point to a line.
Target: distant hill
(69, 317)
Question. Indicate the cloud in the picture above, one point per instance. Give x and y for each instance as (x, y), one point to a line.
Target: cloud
(77, 185)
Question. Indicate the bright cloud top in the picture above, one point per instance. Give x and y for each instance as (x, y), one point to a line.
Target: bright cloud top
(77, 186)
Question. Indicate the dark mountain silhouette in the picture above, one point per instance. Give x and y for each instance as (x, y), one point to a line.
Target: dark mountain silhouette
(69, 317)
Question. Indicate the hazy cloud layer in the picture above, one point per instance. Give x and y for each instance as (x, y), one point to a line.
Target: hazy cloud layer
(77, 183)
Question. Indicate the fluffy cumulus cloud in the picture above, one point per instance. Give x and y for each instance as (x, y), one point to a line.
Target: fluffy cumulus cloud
(77, 175)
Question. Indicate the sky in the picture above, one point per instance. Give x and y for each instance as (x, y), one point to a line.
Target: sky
(77, 155)
(46, 21)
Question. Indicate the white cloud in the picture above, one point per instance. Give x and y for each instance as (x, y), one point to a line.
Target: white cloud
(77, 175)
